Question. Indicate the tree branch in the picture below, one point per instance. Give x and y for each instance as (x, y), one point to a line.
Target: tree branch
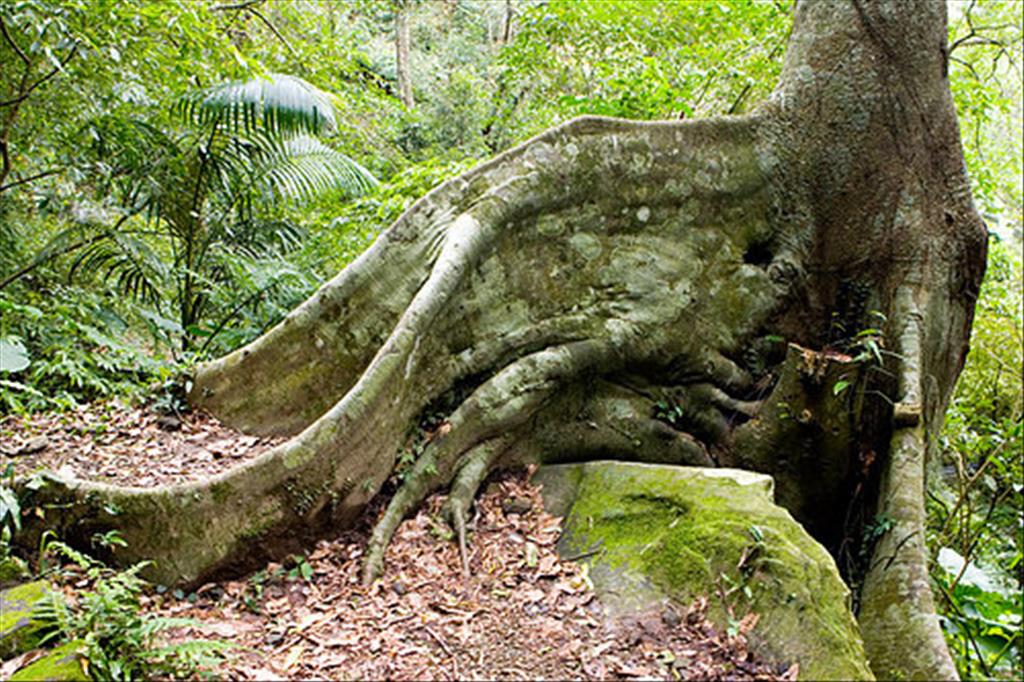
(45, 258)
(14, 46)
(273, 29)
(237, 5)
(31, 178)
(28, 91)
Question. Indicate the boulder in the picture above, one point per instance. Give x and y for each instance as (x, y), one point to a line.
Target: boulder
(62, 664)
(651, 533)
(20, 627)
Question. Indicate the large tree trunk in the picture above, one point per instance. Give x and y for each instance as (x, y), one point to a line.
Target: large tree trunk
(614, 288)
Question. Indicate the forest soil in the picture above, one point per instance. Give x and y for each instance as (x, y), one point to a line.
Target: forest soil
(523, 614)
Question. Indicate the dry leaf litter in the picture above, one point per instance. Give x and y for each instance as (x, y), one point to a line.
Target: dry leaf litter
(525, 613)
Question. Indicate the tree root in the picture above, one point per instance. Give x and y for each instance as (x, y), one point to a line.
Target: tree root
(897, 616)
(473, 469)
(420, 481)
(501, 405)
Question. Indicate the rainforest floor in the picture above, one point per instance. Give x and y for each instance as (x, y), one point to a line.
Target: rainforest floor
(524, 613)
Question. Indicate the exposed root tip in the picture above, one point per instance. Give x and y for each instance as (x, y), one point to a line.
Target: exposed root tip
(472, 471)
(457, 517)
(420, 482)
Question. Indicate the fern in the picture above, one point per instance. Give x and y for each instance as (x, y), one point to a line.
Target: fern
(121, 641)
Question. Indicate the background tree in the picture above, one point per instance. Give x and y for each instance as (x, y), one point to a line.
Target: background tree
(402, 10)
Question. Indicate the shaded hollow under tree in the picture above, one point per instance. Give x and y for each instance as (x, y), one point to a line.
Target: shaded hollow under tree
(618, 289)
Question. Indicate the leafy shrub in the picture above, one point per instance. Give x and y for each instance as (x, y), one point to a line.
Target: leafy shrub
(77, 348)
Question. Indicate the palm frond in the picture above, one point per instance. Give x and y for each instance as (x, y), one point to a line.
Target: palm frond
(138, 271)
(132, 161)
(308, 167)
(276, 103)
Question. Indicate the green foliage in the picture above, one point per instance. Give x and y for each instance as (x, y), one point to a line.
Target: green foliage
(10, 511)
(983, 626)
(639, 59)
(275, 104)
(976, 509)
(300, 568)
(986, 40)
(670, 412)
(77, 347)
(345, 233)
(122, 642)
(193, 207)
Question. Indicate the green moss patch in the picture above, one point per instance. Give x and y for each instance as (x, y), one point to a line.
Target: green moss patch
(684, 532)
(63, 664)
(20, 629)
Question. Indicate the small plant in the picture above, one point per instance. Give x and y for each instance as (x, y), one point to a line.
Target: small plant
(10, 512)
(301, 569)
(873, 532)
(983, 622)
(753, 559)
(253, 597)
(12, 568)
(670, 412)
(121, 642)
(169, 397)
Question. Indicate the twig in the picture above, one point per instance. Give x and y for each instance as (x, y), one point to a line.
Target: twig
(584, 555)
(273, 29)
(397, 619)
(993, 503)
(237, 5)
(965, 488)
(46, 258)
(14, 46)
(439, 640)
(31, 178)
(956, 607)
(57, 69)
(895, 552)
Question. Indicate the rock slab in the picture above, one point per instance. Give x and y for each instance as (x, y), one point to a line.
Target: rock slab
(20, 629)
(62, 664)
(652, 533)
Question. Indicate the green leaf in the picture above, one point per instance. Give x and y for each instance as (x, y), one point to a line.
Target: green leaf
(9, 507)
(840, 386)
(162, 322)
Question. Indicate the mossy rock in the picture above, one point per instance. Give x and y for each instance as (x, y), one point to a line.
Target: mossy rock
(62, 664)
(13, 571)
(20, 628)
(654, 532)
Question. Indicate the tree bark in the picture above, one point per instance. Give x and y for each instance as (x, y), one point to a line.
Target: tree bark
(506, 23)
(402, 68)
(628, 289)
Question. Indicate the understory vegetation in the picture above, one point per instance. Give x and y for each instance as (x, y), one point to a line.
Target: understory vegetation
(178, 175)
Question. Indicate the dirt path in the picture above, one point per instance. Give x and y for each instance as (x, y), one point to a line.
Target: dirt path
(129, 446)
